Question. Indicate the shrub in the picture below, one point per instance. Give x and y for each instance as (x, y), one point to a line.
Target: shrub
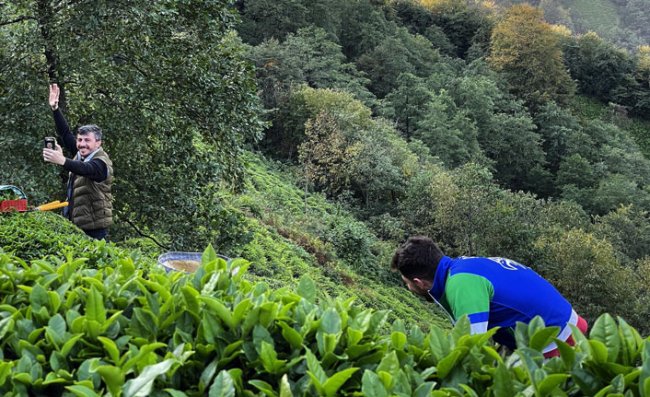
(67, 328)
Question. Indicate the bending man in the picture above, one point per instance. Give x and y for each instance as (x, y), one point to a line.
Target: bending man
(492, 292)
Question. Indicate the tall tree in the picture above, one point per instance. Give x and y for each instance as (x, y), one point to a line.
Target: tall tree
(598, 67)
(399, 53)
(406, 104)
(527, 51)
(166, 80)
(267, 19)
(326, 155)
(448, 131)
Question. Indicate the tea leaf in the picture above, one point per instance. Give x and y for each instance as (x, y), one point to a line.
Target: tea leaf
(82, 391)
(285, 387)
(644, 377)
(56, 330)
(535, 325)
(263, 387)
(5, 370)
(145, 320)
(371, 385)
(314, 367)
(386, 379)
(398, 340)
(543, 337)
(54, 301)
(468, 391)
(448, 363)
(69, 344)
(95, 310)
(38, 297)
(326, 342)
(190, 297)
(503, 382)
(377, 321)
(209, 255)
(241, 309)
(550, 382)
(112, 377)
(461, 328)
(220, 310)
(354, 336)
(142, 354)
(307, 288)
(631, 342)
(223, 386)
(334, 383)
(6, 326)
(208, 374)
(361, 321)
(331, 322)
(426, 388)
(390, 363)
(606, 331)
(521, 334)
(291, 335)
(567, 353)
(109, 322)
(52, 379)
(111, 349)
(269, 358)
(268, 313)
(598, 351)
(494, 355)
(439, 344)
(644, 387)
(588, 383)
(142, 385)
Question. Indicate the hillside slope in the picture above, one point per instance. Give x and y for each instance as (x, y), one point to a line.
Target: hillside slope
(294, 234)
(288, 235)
(622, 23)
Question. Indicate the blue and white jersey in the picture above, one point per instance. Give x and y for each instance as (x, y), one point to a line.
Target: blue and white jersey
(499, 292)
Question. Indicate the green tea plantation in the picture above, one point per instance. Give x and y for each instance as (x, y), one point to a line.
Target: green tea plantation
(88, 318)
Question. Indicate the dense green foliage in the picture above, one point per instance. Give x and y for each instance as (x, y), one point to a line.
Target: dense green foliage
(623, 22)
(72, 326)
(488, 162)
(496, 134)
(158, 77)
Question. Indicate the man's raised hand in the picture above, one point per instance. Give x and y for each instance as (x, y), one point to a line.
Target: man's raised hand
(54, 96)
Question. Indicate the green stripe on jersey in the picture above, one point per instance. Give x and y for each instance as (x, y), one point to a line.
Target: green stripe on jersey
(468, 293)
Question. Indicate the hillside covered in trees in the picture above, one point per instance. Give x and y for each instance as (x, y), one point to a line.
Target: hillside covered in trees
(495, 133)
(491, 132)
(312, 137)
(622, 22)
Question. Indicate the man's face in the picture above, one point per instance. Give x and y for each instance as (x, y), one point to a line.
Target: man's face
(87, 144)
(419, 287)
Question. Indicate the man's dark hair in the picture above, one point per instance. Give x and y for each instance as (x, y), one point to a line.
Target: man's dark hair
(90, 129)
(418, 257)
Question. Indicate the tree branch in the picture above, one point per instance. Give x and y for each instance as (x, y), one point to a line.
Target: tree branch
(19, 19)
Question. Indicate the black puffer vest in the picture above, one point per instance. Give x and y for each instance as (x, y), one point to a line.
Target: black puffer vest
(93, 201)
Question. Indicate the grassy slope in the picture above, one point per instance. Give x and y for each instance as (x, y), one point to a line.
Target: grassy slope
(293, 236)
(589, 108)
(600, 16)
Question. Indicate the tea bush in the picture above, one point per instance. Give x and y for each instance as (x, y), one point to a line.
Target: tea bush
(37, 235)
(71, 330)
